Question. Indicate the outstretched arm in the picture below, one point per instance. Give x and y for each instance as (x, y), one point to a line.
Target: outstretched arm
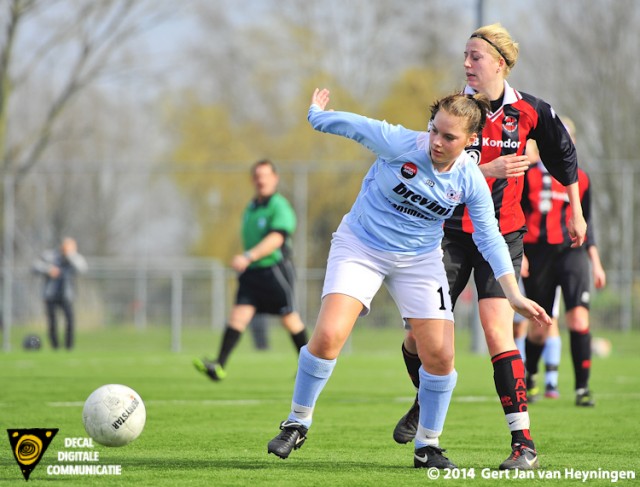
(383, 139)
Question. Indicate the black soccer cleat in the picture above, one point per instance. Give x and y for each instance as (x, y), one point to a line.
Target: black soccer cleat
(584, 398)
(405, 430)
(292, 437)
(522, 458)
(431, 457)
(212, 369)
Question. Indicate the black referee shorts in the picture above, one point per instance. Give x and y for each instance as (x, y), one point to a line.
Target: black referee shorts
(551, 266)
(461, 256)
(269, 289)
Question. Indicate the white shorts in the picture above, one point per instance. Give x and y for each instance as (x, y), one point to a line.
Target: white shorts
(417, 283)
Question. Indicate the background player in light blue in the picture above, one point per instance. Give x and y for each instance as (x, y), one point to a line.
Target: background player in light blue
(392, 234)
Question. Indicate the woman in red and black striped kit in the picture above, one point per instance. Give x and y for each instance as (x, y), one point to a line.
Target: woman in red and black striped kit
(553, 262)
(489, 56)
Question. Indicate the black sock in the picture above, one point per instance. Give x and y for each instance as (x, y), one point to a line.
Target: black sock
(413, 364)
(299, 339)
(550, 368)
(229, 341)
(581, 355)
(509, 378)
(533, 351)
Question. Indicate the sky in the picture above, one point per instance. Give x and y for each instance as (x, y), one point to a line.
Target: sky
(165, 43)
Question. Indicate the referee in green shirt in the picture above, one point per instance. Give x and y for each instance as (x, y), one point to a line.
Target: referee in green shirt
(266, 273)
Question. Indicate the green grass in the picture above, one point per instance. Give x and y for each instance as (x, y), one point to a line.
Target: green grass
(204, 433)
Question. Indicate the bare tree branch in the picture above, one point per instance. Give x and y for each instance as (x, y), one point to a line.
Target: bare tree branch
(96, 32)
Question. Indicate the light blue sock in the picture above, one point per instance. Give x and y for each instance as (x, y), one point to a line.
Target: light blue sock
(434, 397)
(521, 347)
(551, 356)
(313, 374)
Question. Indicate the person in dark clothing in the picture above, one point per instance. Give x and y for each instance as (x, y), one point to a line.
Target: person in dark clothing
(59, 269)
(552, 263)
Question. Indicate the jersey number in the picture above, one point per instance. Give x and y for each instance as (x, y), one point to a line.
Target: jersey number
(441, 292)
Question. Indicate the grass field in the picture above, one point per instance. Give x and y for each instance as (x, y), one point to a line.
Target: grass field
(204, 433)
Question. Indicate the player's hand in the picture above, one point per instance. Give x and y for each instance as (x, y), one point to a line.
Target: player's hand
(509, 166)
(599, 277)
(54, 271)
(577, 227)
(531, 310)
(240, 262)
(320, 97)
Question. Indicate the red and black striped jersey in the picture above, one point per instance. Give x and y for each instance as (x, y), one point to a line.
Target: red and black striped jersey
(521, 117)
(545, 203)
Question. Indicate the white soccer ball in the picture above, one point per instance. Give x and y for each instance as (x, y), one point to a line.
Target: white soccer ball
(600, 347)
(114, 415)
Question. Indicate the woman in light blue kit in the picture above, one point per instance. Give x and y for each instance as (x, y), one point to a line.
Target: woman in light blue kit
(392, 234)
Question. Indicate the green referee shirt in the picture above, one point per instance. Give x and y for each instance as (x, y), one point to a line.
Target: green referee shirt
(260, 219)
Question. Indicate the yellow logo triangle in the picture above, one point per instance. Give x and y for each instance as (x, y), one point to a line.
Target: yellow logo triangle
(28, 446)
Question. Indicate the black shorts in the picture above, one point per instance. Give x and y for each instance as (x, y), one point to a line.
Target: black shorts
(269, 290)
(551, 266)
(461, 256)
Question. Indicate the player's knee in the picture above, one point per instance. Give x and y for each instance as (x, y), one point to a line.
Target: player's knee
(438, 362)
(292, 322)
(578, 319)
(537, 335)
(579, 326)
(326, 346)
(410, 344)
(238, 325)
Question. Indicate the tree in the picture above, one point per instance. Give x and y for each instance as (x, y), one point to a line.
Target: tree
(60, 65)
(254, 90)
(584, 52)
(87, 39)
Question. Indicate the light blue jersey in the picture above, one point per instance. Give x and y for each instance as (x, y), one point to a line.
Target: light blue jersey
(403, 201)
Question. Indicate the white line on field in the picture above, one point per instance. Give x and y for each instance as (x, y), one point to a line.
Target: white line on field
(176, 402)
(255, 402)
(240, 402)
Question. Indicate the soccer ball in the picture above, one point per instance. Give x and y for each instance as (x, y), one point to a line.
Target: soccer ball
(600, 347)
(114, 415)
(31, 342)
